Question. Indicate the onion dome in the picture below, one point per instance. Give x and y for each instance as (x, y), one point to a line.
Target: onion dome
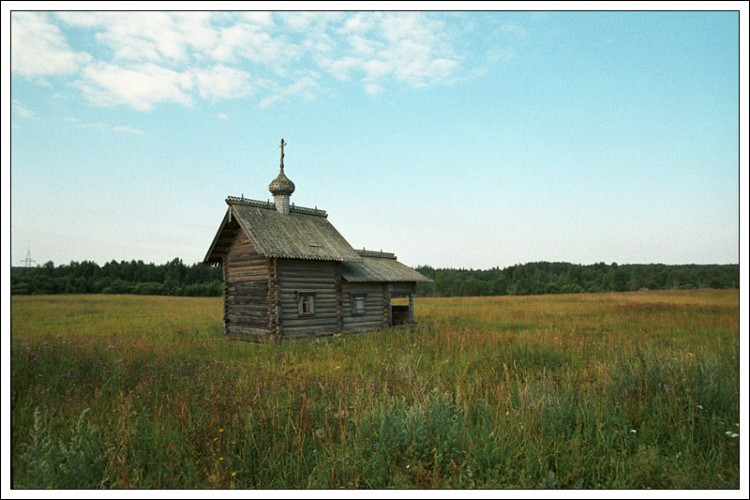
(281, 185)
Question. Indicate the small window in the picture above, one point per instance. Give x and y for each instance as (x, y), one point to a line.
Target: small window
(358, 304)
(306, 304)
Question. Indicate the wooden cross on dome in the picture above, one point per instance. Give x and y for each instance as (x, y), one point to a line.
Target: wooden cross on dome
(282, 153)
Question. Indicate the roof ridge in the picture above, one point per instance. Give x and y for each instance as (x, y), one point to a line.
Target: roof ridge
(374, 253)
(234, 200)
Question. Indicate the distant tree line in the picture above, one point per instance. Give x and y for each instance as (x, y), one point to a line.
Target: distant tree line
(176, 278)
(537, 278)
(136, 277)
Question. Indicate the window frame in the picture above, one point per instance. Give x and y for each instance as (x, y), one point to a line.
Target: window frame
(355, 297)
(305, 298)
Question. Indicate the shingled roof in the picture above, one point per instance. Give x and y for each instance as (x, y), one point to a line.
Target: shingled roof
(379, 267)
(305, 233)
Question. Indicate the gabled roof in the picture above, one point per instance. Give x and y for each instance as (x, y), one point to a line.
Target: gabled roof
(303, 234)
(379, 267)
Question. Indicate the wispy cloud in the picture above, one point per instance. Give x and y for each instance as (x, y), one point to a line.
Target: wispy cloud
(127, 130)
(94, 125)
(269, 101)
(22, 111)
(515, 30)
(159, 37)
(304, 85)
(122, 129)
(256, 41)
(142, 59)
(373, 88)
(222, 82)
(406, 47)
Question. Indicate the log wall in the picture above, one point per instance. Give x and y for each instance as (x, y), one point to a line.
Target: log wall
(320, 278)
(246, 291)
(374, 307)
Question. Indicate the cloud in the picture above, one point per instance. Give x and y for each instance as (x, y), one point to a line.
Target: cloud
(373, 88)
(259, 18)
(22, 111)
(141, 87)
(127, 130)
(38, 47)
(78, 123)
(304, 85)
(95, 125)
(259, 43)
(222, 82)
(515, 30)
(159, 37)
(142, 59)
(222, 116)
(269, 101)
(410, 47)
(311, 22)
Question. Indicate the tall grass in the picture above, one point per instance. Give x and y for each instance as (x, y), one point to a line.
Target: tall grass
(636, 390)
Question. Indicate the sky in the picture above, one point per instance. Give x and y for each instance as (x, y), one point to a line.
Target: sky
(465, 139)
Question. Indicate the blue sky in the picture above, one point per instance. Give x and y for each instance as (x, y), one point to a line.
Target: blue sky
(453, 139)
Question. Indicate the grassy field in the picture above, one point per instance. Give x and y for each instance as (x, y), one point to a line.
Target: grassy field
(632, 390)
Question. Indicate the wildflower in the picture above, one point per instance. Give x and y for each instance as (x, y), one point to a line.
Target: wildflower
(216, 439)
(507, 413)
(408, 466)
(633, 431)
(700, 407)
(221, 429)
(234, 473)
(221, 459)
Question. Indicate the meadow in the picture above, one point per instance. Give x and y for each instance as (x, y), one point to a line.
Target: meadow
(621, 390)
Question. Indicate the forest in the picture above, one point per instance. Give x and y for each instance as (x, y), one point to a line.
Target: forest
(535, 278)
(539, 278)
(134, 277)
